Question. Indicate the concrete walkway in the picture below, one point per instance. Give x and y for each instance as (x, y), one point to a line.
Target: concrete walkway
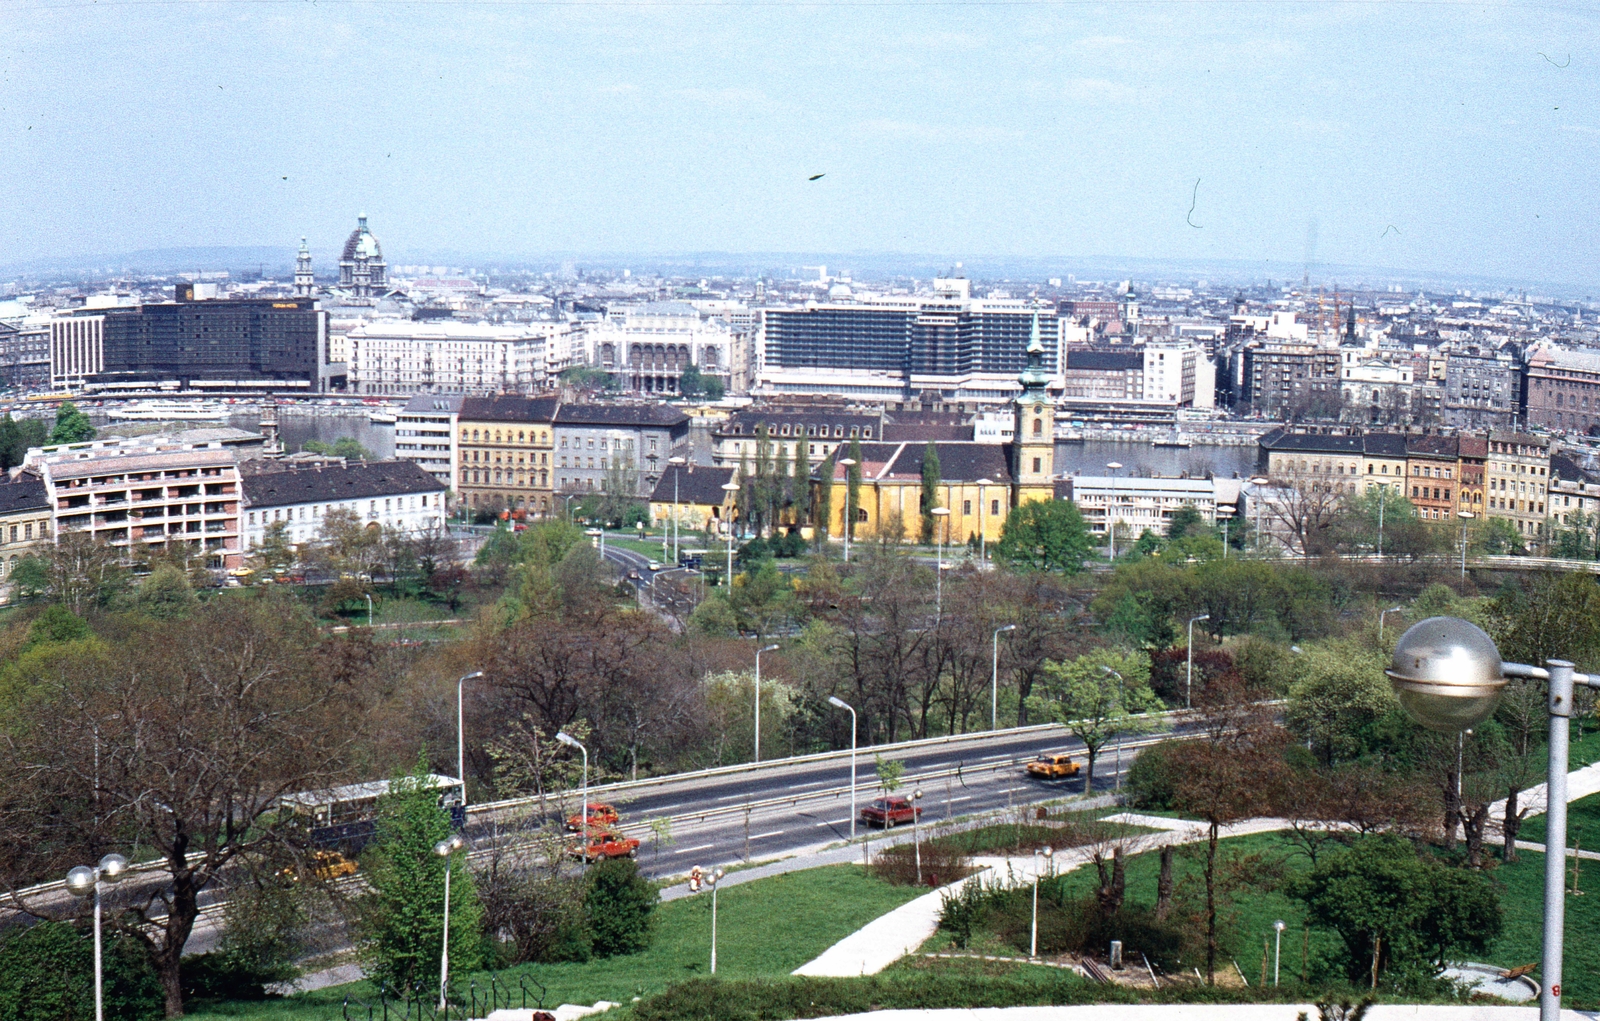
(1209, 1012)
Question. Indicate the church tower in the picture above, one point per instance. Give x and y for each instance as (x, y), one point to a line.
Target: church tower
(304, 283)
(1033, 443)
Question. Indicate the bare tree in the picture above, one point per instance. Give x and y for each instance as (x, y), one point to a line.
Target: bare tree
(1307, 511)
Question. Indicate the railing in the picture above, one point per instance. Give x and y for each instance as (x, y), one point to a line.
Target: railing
(496, 995)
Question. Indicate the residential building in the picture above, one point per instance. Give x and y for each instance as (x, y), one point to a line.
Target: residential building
(425, 432)
(1471, 453)
(1383, 462)
(400, 495)
(447, 357)
(820, 425)
(1171, 373)
(1561, 390)
(25, 352)
(596, 444)
(1326, 462)
(1135, 504)
(135, 493)
(1096, 376)
(1280, 378)
(1574, 495)
(1481, 388)
(504, 453)
(1433, 465)
(693, 496)
(24, 522)
(1517, 477)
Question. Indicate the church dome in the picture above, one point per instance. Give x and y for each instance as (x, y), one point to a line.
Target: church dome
(361, 244)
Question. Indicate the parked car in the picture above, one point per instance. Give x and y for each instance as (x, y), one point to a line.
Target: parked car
(655, 565)
(601, 815)
(605, 844)
(1053, 767)
(887, 812)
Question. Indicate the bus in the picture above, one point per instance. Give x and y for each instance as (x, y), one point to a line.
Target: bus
(343, 819)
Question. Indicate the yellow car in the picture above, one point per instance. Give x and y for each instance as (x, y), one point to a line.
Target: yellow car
(325, 865)
(1053, 767)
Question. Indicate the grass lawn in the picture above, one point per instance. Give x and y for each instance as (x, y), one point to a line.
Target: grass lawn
(1583, 825)
(817, 908)
(1027, 836)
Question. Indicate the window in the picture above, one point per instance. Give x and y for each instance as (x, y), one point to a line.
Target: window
(966, 507)
(14, 530)
(1036, 465)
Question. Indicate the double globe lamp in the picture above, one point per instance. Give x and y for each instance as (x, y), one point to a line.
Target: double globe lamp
(84, 881)
(1448, 676)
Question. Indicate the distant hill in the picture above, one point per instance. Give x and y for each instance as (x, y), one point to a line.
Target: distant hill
(271, 260)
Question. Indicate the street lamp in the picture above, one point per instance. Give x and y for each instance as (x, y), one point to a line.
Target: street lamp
(461, 740)
(994, 679)
(839, 703)
(444, 849)
(583, 810)
(1258, 482)
(768, 648)
(1465, 516)
(712, 881)
(1033, 937)
(566, 503)
(848, 462)
(1277, 952)
(677, 470)
(1111, 507)
(943, 514)
(983, 540)
(1381, 615)
(916, 832)
(369, 609)
(730, 488)
(1122, 709)
(83, 881)
(1449, 677)
(1188, 683)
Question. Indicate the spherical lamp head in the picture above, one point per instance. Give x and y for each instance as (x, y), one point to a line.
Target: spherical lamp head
(112, 867)
(1047, 851)
(80, 881)
(1446, 674)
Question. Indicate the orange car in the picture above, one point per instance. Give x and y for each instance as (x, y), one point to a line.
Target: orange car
(600, 815)
(605, 845)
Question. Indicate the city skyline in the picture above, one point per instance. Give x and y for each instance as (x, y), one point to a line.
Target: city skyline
(1438, 140)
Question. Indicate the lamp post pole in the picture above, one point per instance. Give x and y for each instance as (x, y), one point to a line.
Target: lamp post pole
(1465, 516)
(730, 488)
(1033, 933)
(839, 703)
(1277, 952)
(1448, 676)
(85, 881)
(369, 609)
(714, 879)
(583, 809)
(444, 849)
(994, 679)
(758, 698)
(461, 739)
(943, 514)
(848, 463)
(1188, 682)
(1120, 709)
(1258, 482)
(916, 831)
(1381, 615)
(1383, 498)
(1111, 508)
(677, 471)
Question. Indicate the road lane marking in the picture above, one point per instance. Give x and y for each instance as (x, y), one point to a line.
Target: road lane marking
(763, 836)
(836, 822)
(817, 783)
(691, 850)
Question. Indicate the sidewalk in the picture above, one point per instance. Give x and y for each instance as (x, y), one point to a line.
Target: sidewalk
(1209, 1012)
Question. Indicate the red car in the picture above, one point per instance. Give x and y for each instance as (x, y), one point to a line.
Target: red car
(600, 815)
(886, 812)
(605, 845)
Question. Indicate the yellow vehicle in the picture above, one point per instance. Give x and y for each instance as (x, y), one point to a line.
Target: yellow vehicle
(325, 865)
(1053, 767)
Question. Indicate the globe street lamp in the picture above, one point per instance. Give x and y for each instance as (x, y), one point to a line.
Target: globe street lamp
(1033, 937)
(1449, 677)
(943, 514)
(1381, 615)
(994, 679)
(848, 463)
(730, 488)
(461, 741)
(1465, 516)
(83, 881)
(916, 832)
(839, 703)
(1188, 683)
(583, 810)
(1111, 507)
(768, 648)
(712, 881)
(444, 849)
(1277, 952)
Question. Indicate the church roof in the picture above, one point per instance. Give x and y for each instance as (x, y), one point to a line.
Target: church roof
(361, 244)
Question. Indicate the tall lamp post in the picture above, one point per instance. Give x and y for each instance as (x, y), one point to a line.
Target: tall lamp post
(916, 830)
(583, 809)
(730, 488)
(677, 470)
(943, 514)
(84, 881)
(1277, 951)
(712, 881)
(768, 648)
(461, 739)
(1258, 483)
(1465, 516)
(983, 540)
(1121, 709)
(848, 463)
(444, 849)
(994, 678)
(1111, 507)
(369, 609)
(1449, 677)
(839, 703)
(1188, 682)
(1381, 615)
(1033, 933)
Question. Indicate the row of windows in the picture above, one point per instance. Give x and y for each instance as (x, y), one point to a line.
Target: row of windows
(863, 432)
(317, 510)
(505, 478)
(523, 436)
(472, 455)
(26, 532)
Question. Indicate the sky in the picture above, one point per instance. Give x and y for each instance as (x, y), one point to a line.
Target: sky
(1434, 136)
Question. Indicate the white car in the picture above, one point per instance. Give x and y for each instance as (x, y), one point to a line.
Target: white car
(655, 565)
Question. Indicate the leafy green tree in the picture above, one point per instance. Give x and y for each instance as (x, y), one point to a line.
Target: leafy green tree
(853, 491)
(690, 383)
(715, 388)
(17, 436)
(761, 599)
(165, 594)
(47, 974)
(347, 447)
(889, 773)
(1087, 697)
(274, 553)
(822, 516)
(618, 907)
(1549, 616)
(584, 377)
(802, 484)
(1499, 537)
(1045, 535)
(401, 919)
(1337, 697)
(1408, 913)
(72, 425)
(1184, 520)
(930, 491)
(1574, 540)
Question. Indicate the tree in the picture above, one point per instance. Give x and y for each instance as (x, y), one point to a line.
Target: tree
(716, 389)
(217, 717)
(930, 491)
(1045, 535)
(1500, 537)
(690, 383)
(72, 425)
(1307, 512)
(17, 436)
(889, 773)
(822, 516)
(1087, 698)
(853, 492)
(1397, 911)
(165, 594)
(1339, 692)
(618, 906)
(802, 484)
(347, 447)
(346, 545)
(83, 571)
(401, 920)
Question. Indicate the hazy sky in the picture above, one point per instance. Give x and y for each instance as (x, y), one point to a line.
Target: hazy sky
(1437, 136)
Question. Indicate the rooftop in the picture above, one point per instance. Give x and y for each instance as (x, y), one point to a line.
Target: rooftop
(276, 485)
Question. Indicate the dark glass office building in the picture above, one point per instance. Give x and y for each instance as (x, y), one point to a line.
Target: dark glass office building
(933, 338)
(277, 340)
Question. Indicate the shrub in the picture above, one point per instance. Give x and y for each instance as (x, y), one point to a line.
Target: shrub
(942, 863)
(618, 906)
(1153, 776)
(47, 974)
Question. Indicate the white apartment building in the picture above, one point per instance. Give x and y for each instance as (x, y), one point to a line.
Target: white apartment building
(1135, 504)
(77, 349)
(425, 432)
(446, 357)
(1171, 373)
(385, 494)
